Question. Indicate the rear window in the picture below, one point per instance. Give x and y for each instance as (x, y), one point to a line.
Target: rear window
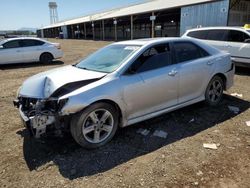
(31, 42)
(186, 51)
(202, 34)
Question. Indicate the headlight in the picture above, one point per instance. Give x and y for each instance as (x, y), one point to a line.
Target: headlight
(47, 88)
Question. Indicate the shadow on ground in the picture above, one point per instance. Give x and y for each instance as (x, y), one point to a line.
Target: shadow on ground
(74, 162)
(29, 65)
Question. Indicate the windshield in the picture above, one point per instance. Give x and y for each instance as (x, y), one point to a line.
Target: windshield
(248, 31)
(109, 58)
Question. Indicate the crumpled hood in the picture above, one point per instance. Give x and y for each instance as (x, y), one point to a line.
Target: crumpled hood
(44, 84)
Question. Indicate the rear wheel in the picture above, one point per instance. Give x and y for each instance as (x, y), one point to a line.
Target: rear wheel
(214, 91)
(95, 126)
(46, 58)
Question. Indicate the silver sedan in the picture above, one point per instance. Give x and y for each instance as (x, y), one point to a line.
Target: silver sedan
(122, 84)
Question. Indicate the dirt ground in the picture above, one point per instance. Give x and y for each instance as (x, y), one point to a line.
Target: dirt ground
(130, 159)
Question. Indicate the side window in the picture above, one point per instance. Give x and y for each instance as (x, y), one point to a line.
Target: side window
(217, 34)
(186, 51)
(237, 36)
(29, 42)
(201, 34)
(156, 57)
(12, 44)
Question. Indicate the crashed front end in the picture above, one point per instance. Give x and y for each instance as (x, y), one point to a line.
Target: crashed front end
(41, 117)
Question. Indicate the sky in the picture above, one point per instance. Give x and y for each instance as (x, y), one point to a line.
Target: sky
(16, 14)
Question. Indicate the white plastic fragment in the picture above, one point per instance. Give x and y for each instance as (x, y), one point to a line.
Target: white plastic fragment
(237, 95)
(234, 109)
(248, 123)
(160, 133)
(144, 132)
(192, 120)
(210, 146)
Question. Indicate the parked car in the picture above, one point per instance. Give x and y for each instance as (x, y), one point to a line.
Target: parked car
(27, 49)
(122, 84)
(234, 40)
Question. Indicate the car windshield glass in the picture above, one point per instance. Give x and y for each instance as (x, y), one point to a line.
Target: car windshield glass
(248, 31)
(108, 59)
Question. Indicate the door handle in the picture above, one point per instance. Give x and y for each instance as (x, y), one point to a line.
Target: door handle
(172, 73)
(228, 46)
(18, 51)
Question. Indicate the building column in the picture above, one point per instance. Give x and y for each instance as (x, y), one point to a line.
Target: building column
(85, 34)
(72, 32)
(78, 31)
(131, 27)
(115, 23)
(153, 24)
(93, 30)
(103, 30)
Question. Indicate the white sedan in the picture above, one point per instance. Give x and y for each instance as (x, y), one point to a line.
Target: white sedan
(27, 49)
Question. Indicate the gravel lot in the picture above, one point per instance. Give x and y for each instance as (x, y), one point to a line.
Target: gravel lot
(130, 159)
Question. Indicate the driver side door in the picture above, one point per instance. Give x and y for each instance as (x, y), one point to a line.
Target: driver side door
(153, 84)
(11, 52)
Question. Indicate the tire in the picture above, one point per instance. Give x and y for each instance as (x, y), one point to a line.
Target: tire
(214, 91)
(98, 119)
(46, 58)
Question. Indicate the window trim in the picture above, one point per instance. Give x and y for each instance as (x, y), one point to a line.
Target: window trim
(18, 40)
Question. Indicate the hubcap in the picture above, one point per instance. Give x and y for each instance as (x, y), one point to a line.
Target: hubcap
(215, 91)
(98, 126)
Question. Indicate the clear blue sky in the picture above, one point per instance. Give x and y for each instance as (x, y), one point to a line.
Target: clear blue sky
(15, 14)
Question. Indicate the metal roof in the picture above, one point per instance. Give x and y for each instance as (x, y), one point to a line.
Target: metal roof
(153, 5)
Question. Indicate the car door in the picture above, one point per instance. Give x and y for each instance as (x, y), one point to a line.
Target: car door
(11, 52)
(237, 44)
(151, 82)
(31, 49)
(195, 69)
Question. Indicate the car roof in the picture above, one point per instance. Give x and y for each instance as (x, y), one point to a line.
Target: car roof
(22, 38)
(148, 41)
(210, 28)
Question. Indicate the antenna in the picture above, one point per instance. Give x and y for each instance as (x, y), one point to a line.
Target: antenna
(53, 12)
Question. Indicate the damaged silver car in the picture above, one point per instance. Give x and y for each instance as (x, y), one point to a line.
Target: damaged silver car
(122, 84)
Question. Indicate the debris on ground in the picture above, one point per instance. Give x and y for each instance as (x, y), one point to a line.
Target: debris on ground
(248, 123)
(234, 109)
(144, 132)
(236, 95)
(192, 120)
(160, 133)
(210, 146)
(199, 173)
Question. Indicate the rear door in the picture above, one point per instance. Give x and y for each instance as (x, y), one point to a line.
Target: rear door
(153, 84)
(11, 52)
(237, 44)
(195, 68)
(31, 49)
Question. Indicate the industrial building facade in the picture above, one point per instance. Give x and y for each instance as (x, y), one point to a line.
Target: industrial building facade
(156, 18)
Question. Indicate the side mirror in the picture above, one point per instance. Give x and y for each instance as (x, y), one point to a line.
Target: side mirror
(247, 40)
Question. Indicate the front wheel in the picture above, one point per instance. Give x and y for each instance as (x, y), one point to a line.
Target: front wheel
(95, 126)
(214, 91)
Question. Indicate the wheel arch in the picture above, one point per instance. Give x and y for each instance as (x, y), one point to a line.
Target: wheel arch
(223, 77)
(113, 103)
(46, 53)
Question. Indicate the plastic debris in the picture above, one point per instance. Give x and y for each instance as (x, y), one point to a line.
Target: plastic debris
(210, 146)
(234, 109)
(200, 173)
(144, 132)
(192, 120)
(160, 133)
(236, 95)
(248, 123)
